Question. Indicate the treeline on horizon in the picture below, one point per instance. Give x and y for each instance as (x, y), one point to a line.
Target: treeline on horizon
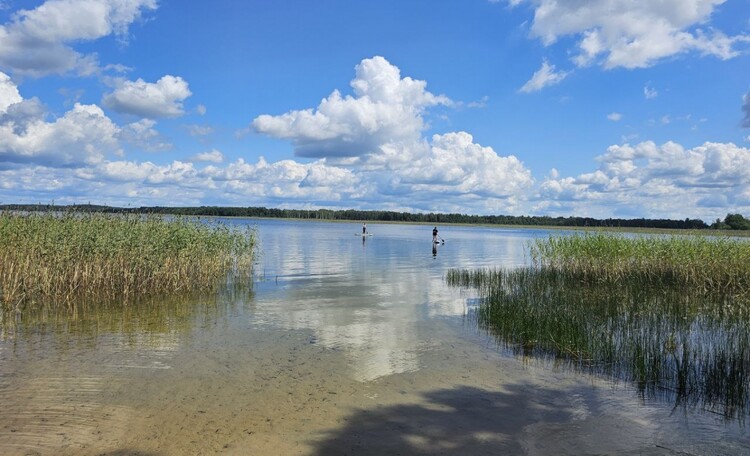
(730, 222)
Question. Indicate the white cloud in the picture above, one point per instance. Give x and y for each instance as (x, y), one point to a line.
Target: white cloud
(385, 109)
(213, 156)
(152, 100)
(37, 42)
(199, 130)
(82, 136)
(384, 120)
(451, 173)
(543, 77)
(482, 103)
(746, 110)
(376, 137)
(657, 181)
(8, 92)
(454, 164)
(614, 116)
(632, 34)
(143, 135)
(649, 92)
(454, 171)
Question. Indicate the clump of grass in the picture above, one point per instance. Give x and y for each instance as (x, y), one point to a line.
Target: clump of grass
(709, 264)
(674, 342)
(59, 258)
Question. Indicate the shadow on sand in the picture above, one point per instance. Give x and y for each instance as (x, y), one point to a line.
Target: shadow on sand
(460, 421)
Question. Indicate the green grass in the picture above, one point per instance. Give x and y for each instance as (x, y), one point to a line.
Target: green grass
(693, 349)
(669, 314)
(61, 258)
(708, 264)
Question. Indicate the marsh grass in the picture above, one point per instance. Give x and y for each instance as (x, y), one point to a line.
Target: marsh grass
(701, 263)
(670, 315)
(59, 259)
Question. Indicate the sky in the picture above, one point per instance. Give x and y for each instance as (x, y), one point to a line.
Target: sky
(606, 108)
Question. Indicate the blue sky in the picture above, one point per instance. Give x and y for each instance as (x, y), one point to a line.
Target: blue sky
(525, 107)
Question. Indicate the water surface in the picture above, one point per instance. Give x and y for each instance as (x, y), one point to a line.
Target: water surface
(343, 346)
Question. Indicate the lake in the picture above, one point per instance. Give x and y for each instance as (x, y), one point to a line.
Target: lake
(343, 345)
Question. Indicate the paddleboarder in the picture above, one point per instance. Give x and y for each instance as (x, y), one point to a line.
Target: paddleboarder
(434, 235)
(364, 229)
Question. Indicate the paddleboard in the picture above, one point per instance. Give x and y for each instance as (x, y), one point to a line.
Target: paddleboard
(363, 235)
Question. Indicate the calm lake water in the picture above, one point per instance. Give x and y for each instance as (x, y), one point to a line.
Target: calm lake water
(344, 345)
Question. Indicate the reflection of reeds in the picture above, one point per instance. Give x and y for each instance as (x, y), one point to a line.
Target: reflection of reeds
(668, 340)
(60, 258)
(139, 318)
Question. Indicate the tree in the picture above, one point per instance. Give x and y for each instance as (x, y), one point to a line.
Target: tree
(737, 222)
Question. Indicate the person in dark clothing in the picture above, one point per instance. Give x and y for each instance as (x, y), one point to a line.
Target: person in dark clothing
(364, 229)
(434, 234)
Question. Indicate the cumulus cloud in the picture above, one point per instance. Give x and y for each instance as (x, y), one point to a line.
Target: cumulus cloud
(614, 116)
(38, 42)
(82, 136)
(21, 115)
(376, 137)
(449, 173)
(543, 77)
(632, 34)
(746, 110)
(8, 92)
(385, 109)
(655, 181)
(454, 164)
(151, 100)
(143, 135)
(460, 174)
(213, 156)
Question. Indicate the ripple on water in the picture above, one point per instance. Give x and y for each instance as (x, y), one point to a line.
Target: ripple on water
(70, 401)
(45, 414)
(140, 351)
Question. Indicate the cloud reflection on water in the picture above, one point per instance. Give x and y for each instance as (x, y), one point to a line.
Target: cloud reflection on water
(370, 299)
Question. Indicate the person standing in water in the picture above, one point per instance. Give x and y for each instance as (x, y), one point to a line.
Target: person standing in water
(434, 235)
(364, 229)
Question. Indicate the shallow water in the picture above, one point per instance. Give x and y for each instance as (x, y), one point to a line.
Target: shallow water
(344, 346)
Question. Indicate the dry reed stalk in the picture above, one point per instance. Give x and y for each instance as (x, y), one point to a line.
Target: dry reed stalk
(61, 257)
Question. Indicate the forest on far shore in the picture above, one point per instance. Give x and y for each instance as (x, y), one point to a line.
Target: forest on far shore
(730, 222)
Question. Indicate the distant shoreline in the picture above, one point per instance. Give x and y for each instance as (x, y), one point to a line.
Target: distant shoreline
(683, 232)
(642, 225)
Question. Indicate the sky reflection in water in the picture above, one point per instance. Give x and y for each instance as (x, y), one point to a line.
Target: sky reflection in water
(371, 297)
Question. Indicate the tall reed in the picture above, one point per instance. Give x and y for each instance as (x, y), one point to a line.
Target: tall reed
(59, 258)
(710, 264)
(674, 342)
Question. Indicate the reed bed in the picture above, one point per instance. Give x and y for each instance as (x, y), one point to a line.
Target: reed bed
(708, 264)
(60, 258)
(673, 342)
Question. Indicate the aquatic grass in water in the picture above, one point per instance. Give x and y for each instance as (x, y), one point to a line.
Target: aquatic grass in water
(672, 330)
(703, 263)
(61, 258)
